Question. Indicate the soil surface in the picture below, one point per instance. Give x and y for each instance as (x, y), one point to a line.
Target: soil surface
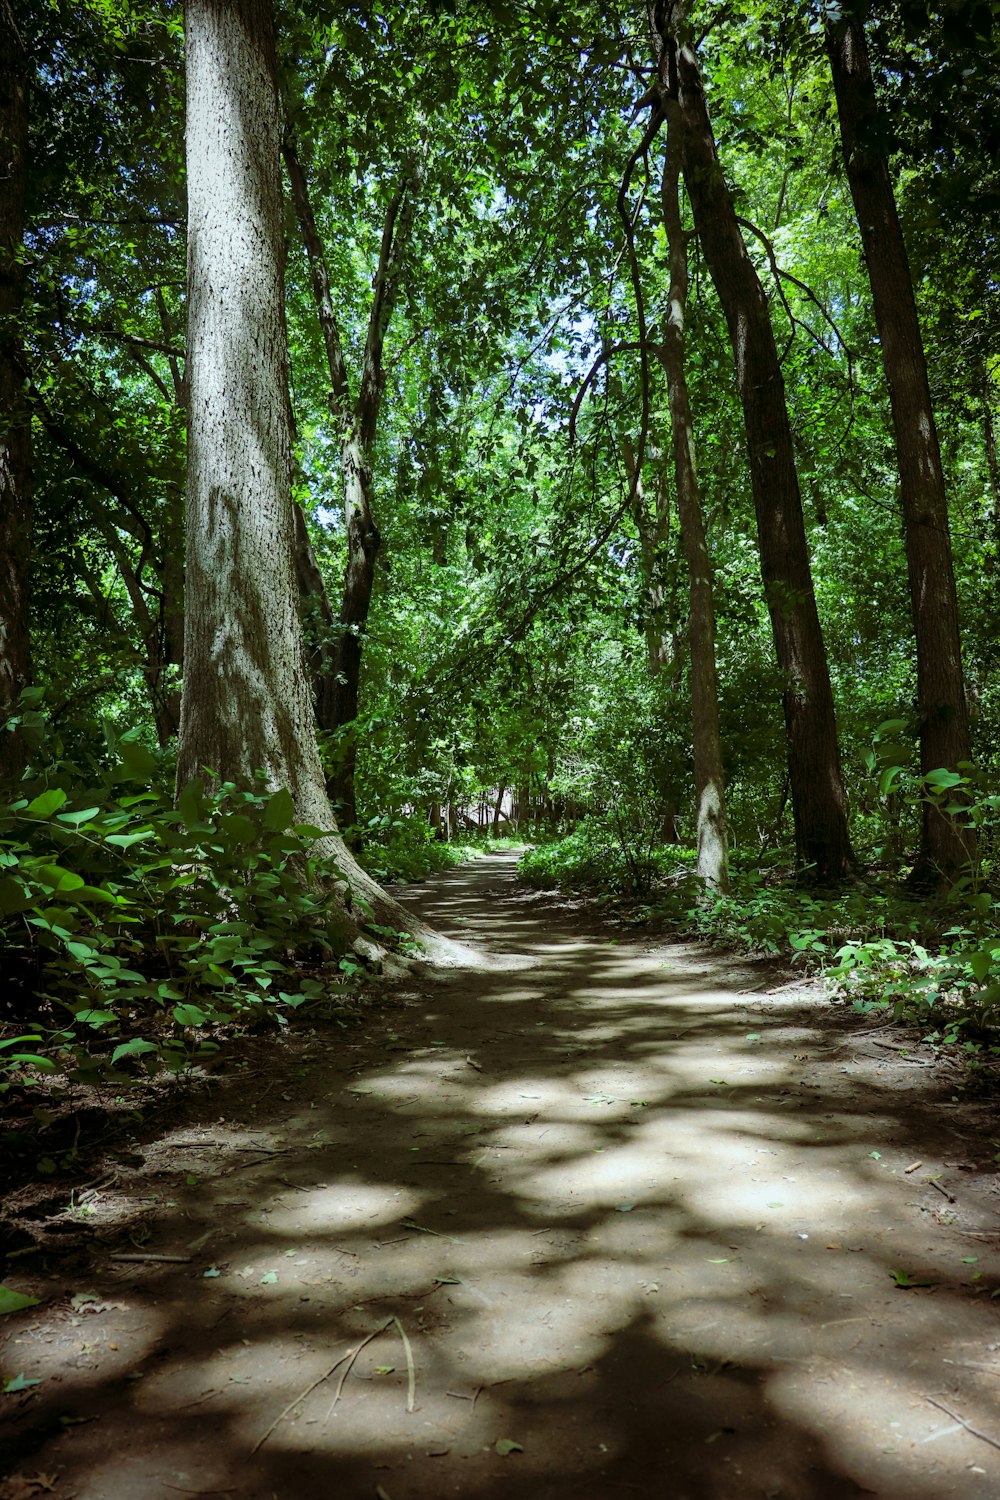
(606, 1215)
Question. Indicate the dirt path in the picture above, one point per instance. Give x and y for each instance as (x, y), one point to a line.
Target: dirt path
(632, 1220)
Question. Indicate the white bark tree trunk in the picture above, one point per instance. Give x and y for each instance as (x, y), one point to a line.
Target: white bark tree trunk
(246, 704)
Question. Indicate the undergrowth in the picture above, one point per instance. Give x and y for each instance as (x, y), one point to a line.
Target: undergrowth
(931, 961)
(400, 849)
(138, 934)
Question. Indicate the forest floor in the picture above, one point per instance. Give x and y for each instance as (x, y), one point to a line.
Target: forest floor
(609, 1215)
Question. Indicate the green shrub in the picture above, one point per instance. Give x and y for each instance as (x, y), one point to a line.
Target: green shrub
(130, 927)
(598, 857)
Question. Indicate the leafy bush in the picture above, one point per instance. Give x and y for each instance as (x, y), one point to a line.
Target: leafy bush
(401, 849)
(597, 857)
(933, 962)
(129, 926)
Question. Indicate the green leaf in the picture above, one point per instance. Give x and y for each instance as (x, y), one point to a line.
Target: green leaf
(136, 763)
(18, 1383)
(240, 829)
(191, 804)
(905, 1281)
(504, 1446)
(45, 804)
(96, 1018)
(32, 1059)
(981, 962)
(58, 879)
(132, 1048)
(189, 1015)
(280, 811)
(77, 818)
(944, 778)
(11, 1301)
(126, 840)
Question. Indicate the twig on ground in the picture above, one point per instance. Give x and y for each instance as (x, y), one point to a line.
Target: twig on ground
(942, 1190)
(993, 1442)
(411, 1373)
(182, 1489)
(351, 1357)
(351, 1354)
(172, 1260)
(198, 1401)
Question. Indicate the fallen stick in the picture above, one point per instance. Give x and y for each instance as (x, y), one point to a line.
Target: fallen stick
(173, 1260)
(993, 1442)
(350, 1361)
(968, 1364)
(411, 1373)
(351, 1354)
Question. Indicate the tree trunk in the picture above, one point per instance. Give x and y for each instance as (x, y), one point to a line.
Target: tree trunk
(15, 419)
(944, 729)
(320, 624)
(654, 539)
(992, 459)
(710, 796)
(822, 836)
(357, 420)
(246, 703)
(363, 542)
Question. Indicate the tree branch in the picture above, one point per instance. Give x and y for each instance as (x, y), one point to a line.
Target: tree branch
(340, 400)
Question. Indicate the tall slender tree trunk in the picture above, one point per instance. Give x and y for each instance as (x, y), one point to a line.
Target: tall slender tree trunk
(15, 418)
(321, 625)
(709, 784)
(357, 420)
(819, 803)
(246, 703)
(653, 526)
(944, 728)
(363, 543)
(992, 464)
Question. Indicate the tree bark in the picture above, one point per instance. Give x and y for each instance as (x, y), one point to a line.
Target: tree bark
(653, 526)
(15, 417)
(710, 796)
(992, 463)
(819, 803)
(945, 845)
(246, 704)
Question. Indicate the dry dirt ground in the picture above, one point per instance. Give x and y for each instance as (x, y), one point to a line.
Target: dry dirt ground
(605, 1217)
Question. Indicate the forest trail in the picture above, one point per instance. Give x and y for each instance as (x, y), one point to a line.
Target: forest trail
(603, 1219)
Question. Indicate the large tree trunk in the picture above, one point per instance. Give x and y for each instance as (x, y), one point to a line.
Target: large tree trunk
(819, 804)
(15, 419)
(944, 729)
(246, 702)
(710, 795)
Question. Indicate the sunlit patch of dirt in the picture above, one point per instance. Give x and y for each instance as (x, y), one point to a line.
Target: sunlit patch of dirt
(601, 1216)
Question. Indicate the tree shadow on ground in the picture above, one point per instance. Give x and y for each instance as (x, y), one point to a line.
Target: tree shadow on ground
(635, 1223)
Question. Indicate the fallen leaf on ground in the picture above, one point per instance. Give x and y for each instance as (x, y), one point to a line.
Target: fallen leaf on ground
(11, 1301)
(16, 1383)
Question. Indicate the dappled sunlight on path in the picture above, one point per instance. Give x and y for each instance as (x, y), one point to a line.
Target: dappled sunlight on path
(607, 1205)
